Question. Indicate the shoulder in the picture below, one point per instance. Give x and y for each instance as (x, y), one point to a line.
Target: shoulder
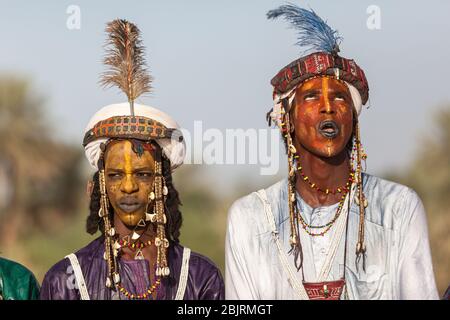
(388, 190)
(207, 277)
(197, 262)
(94, 249)
(17, 280)
(383, 187)
(57, 271)
(205, 281)
(395, 201)
(84, 254)
(248, 211)
(203, 263)
(62, 270)
(14, 269)
(251, 200)
(55, 280)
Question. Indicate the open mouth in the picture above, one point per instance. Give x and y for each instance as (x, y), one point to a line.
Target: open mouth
(129, 205)
(328, 129)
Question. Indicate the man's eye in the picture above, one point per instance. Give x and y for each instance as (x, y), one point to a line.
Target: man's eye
(310, 96)
(144, 174)
(339, 98)
(114, 175)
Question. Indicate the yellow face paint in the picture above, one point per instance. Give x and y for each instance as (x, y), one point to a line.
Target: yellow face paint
(129, 177)
(128, 167)
(325, 94)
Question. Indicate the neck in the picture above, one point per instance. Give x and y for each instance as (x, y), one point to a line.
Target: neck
(148, 233)
(148, 252)
(326, 173)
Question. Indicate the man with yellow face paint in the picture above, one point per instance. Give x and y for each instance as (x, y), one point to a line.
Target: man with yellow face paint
(328, 231)
(134, 204)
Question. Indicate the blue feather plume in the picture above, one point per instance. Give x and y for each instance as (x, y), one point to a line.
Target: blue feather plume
(313, 32)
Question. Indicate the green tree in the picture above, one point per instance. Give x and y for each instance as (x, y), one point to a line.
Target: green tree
(38, 175)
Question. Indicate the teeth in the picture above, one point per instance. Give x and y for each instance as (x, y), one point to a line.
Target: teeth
(329, 128)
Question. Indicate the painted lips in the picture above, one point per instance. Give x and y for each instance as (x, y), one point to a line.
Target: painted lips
(329, 129)
(129, 205)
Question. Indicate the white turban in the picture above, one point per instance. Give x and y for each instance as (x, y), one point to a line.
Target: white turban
(174, 149)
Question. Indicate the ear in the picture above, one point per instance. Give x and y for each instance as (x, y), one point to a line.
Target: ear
(291, 126)
(291, 122)
(89, 188)
(292, 112)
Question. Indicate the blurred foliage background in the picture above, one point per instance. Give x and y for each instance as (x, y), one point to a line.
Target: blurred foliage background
(43, 204)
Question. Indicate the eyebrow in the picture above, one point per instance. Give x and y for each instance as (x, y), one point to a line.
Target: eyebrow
(319, 91)
(134, 170)
(144, 169)
(313, 90)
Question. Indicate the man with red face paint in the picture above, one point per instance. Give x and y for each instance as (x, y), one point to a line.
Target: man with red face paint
(328, 231)
(134, 204)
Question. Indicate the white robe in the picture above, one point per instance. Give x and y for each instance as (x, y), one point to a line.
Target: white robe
(398, 260)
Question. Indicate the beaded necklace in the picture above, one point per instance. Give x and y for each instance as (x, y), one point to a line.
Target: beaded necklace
(328, 225)
(133, 245)
(314, 186)
(330, 290)
(136, 245)
(147, 294)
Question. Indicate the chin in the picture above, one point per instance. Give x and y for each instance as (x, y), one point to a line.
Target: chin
(131, 219)
(331, 152)
(327, 150)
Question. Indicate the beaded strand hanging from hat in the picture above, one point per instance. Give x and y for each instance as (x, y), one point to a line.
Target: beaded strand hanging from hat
(127, 71)
(315, 36)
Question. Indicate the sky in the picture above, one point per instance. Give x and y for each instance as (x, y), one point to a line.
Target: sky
(213, 61)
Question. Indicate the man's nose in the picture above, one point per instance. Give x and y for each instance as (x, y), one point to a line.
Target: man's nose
(326, 107)
(129, 184)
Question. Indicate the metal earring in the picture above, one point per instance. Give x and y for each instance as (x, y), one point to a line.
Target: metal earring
(141, 223)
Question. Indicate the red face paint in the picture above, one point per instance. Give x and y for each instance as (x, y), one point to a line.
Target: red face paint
(323, 116)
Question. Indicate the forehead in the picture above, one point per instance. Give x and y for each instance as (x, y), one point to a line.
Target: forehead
(320, 82)
(121, 153)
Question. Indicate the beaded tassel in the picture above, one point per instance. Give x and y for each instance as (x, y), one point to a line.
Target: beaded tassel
(109, 230)
(161, 241)
(360, 246)
(292, 199)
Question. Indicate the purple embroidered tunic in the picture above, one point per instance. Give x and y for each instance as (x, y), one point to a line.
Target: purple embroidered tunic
(204, 279)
